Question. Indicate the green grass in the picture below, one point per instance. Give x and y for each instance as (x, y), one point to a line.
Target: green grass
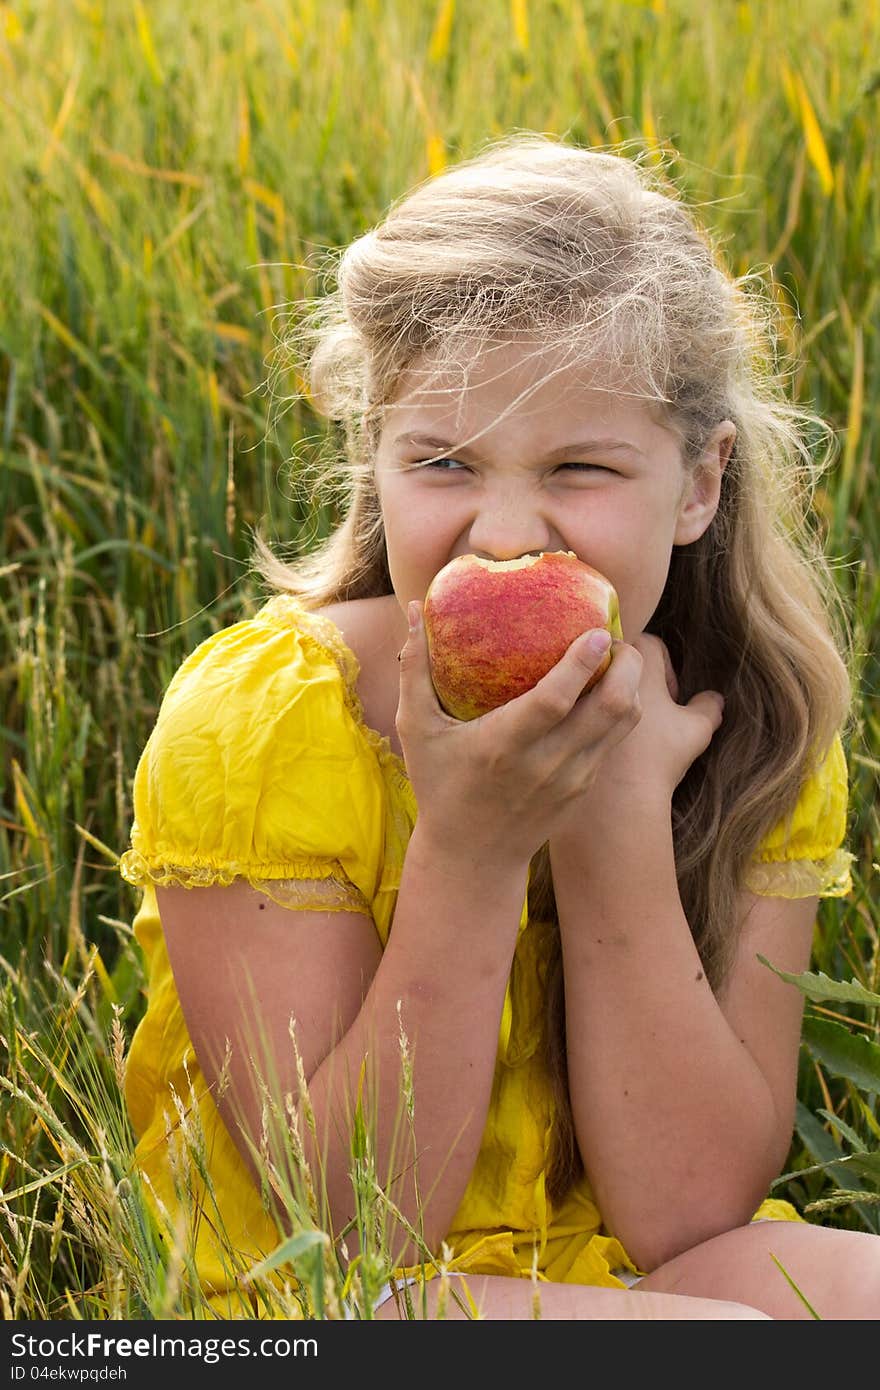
(168, 187)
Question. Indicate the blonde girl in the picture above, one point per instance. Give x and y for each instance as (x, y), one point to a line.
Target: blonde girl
(558, 907)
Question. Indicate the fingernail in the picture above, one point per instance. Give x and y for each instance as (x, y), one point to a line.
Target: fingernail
(412, 613)
(599, 642)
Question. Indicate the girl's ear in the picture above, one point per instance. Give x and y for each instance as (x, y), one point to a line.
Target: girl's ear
(699, 501)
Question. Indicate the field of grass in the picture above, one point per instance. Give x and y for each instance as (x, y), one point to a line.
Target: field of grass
(171, 177)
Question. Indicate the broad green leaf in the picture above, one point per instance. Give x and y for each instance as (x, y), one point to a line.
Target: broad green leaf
(817, 986)
(844, 1053)
(866, 1166)
(815, 1137)
(846, 1131)
(822, 1146)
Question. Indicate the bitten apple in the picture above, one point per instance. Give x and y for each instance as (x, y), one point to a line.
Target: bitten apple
(495, 627)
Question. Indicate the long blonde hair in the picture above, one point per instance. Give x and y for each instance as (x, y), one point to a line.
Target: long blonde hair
(594, 252)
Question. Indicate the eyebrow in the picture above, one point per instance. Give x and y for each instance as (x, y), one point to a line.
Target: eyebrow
(597, 445)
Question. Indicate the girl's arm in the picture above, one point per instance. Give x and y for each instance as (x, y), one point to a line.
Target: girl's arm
(683, 1101)
(244, 966)
(489, 794)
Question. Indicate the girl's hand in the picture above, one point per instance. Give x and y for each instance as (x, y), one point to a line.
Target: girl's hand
(657, 752)
(494, 789)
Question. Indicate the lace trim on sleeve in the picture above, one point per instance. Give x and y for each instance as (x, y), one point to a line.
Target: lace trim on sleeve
(829, 877)
(303, 887)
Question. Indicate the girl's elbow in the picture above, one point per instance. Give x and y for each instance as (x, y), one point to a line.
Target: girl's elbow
(649, 1248)
(651, 1244)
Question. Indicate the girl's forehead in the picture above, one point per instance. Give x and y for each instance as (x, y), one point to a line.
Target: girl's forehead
(524, 362)
(515, 380)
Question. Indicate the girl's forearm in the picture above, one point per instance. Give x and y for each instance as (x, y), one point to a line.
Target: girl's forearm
(675, 1121)
(446, 966)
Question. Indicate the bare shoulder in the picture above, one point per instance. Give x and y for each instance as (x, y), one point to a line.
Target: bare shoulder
(375, 630)
(368, 625)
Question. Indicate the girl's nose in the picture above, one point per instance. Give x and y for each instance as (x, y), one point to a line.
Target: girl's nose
(508, 528)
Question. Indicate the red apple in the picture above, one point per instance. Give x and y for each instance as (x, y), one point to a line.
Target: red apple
(495, 627)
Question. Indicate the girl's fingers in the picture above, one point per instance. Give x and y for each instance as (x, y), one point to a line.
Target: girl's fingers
(669, 671)
(709, 703)
(541, 709)
(537, 713)
(417, 693)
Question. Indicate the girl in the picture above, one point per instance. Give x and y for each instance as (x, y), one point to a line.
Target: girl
(541, 926)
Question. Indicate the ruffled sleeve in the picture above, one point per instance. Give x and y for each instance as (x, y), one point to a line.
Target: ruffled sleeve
(257, 768)
(804, 855)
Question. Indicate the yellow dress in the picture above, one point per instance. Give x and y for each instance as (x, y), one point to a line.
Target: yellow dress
(261, 767)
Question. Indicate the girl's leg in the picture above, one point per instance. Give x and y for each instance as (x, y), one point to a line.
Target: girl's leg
(838, 1272)
(498, 1298)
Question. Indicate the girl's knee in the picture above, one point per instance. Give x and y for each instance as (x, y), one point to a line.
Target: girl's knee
(791, 1269)
(741, 1311)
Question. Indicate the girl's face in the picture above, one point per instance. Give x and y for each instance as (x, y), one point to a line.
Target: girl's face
(531, 457)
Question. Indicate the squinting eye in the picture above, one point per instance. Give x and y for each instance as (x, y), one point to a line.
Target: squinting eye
(436, 463)
(597, 467)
